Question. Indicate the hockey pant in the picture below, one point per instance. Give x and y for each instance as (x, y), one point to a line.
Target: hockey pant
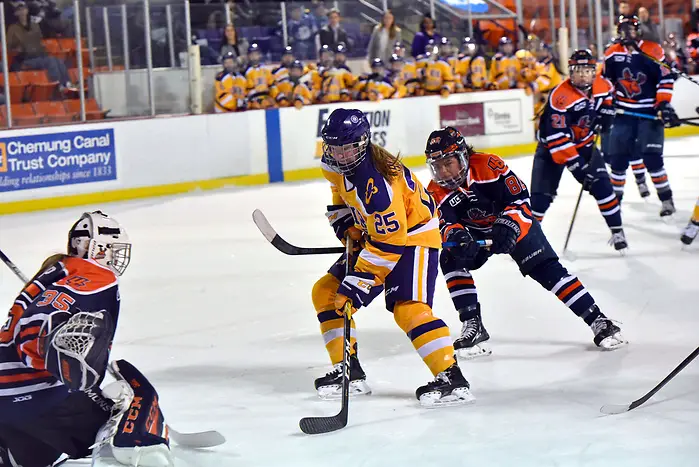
(546, 176)
(69, 427)
(536, 259)
(635, 141)
(409, 292)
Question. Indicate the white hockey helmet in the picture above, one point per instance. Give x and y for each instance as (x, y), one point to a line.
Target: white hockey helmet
(98, 237)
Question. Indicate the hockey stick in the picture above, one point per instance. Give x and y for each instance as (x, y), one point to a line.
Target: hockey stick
(613, 409)
(204, 439)
(681, 121)
(318, 425)
(487, 243)
(12, 266)
(664, 65)
(285, 247)
(572, 220)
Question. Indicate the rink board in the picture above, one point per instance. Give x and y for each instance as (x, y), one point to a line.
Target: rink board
(167, 156)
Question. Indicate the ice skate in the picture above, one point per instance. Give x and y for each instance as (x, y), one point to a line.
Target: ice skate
(690, 232)
(472, 343)
(448, 388)
(618, 240)
(643, 190)
(607, 334)
(667, 209)
(329, 387)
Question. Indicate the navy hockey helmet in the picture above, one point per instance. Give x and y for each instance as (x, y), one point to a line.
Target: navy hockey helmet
(445, 48)
(582, 67)
(254, 53)
(396, 62)
(325, 55)
(346, 136)
(448, 157)
(468, 46)
(230, 62)
(628, 29)
(296, 69)
(506, 45)
(287, 55)
(431, 49)
(340, 53)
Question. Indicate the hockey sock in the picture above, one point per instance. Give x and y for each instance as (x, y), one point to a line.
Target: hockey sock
(568, 288)
(540, 204)
(461, 288)
(662, 184)
(331, 321)
(607, 203)
(618, 181)
(430, 335)
(639, 171)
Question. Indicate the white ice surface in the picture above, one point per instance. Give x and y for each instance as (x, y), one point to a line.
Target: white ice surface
(223, 325)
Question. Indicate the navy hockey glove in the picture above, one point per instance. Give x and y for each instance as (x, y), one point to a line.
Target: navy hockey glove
(667, 114)
(340, 218)
(467, 248)
(585, 175)
(604, 119)
(505, 232)
(356, 288)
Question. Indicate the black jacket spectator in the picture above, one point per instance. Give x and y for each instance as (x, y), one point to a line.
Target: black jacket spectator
(332, 33)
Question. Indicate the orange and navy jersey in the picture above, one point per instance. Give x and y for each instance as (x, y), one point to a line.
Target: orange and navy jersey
(473, 72)
(259, 81)
(491, 190)
(60, 290)
(640, 82)
(393, 214)
(693, 46)
(231, 89)
(504, 71)
(566, 125)
(437, 75)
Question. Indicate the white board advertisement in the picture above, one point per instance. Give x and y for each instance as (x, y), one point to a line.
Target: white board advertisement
(503, 117)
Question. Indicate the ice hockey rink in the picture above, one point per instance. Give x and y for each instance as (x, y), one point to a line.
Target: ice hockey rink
(223, 325)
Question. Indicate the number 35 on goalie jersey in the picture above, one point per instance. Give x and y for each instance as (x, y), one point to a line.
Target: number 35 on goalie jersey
(60, 290)
(393, 215)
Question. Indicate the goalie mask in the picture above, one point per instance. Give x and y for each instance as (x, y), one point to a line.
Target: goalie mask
(100, 238)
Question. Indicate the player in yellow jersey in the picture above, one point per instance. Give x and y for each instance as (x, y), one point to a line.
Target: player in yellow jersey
(472, 69)
(343, 74)
(376, 198)
(446, 53)
(527, 68)
(690, 232)
(397, 77)
(281, 72)
(292, 91)
(504, 68)
(230, 86)
(437, 77)
(548, 76)
(409, 72)
(378, 86)
(259, 80)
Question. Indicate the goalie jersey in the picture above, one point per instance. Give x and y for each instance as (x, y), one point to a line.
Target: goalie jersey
(392, 215)
(61, 289)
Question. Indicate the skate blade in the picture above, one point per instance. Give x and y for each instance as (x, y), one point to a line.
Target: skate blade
(334, 392)
(459, 396)
(623, 251)
(614, 342)
(478, 350)
(669, 219)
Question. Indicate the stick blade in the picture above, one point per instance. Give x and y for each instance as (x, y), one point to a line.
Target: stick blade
(319, 425)
(615, 409)
(204, 439)
(263, 224)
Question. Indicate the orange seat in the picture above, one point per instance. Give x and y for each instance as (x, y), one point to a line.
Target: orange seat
(24, 115)
(17, 87)
(92, 109)
(40, 88)
(53, 48)
(69, 46)
(75, 77)
(3, 117)
(53, 112)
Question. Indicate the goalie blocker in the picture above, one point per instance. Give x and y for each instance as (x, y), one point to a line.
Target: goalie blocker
(54, 350)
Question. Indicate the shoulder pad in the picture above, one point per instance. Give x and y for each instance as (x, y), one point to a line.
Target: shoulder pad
(653, 49)
(86, 277)
(563, 96)
(439, 193)
(486, 167)
(601, 85)
(614, 48)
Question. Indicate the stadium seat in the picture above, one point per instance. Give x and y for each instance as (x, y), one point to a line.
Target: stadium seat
(39, 86)
(68, 46)
(3, 117)
(75, 77)
(92, 109)
(53, 48)
(53, 112)
(24, 115)
(17, 87)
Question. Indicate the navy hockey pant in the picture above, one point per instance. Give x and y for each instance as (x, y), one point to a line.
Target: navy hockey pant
(546, 175)
(536, 259)
(632, 141)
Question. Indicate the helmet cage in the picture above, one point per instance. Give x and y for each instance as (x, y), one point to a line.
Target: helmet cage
(345, 158)
(584, 81)
(436, 159)
(99, 238)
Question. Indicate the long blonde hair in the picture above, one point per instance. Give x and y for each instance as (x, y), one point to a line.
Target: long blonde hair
(393, 29)
(388, 165)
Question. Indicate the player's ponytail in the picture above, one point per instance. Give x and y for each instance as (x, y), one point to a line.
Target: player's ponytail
(388, 165)
(50, 261)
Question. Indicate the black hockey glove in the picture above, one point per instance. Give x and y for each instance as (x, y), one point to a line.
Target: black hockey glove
(667, 114)
(467, 248)
(604, 119)
(585, 175)
(505, 232)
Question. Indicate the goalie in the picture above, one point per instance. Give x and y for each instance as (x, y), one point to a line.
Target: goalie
(54, 353)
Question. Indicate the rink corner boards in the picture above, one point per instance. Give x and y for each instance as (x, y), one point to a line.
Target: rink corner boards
(58, 202)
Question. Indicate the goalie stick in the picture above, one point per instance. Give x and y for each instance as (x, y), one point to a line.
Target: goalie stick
(204, 439)
(318, 425)
(614, 409)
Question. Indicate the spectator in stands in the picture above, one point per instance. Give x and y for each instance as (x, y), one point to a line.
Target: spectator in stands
(301, 28)
(320, 15)
(625, 9)
(231, 44)
(24, 38)
(383, 38)
(333, 33)
(649, 31)
(427, 33)
(694, 20)
(47, 14)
